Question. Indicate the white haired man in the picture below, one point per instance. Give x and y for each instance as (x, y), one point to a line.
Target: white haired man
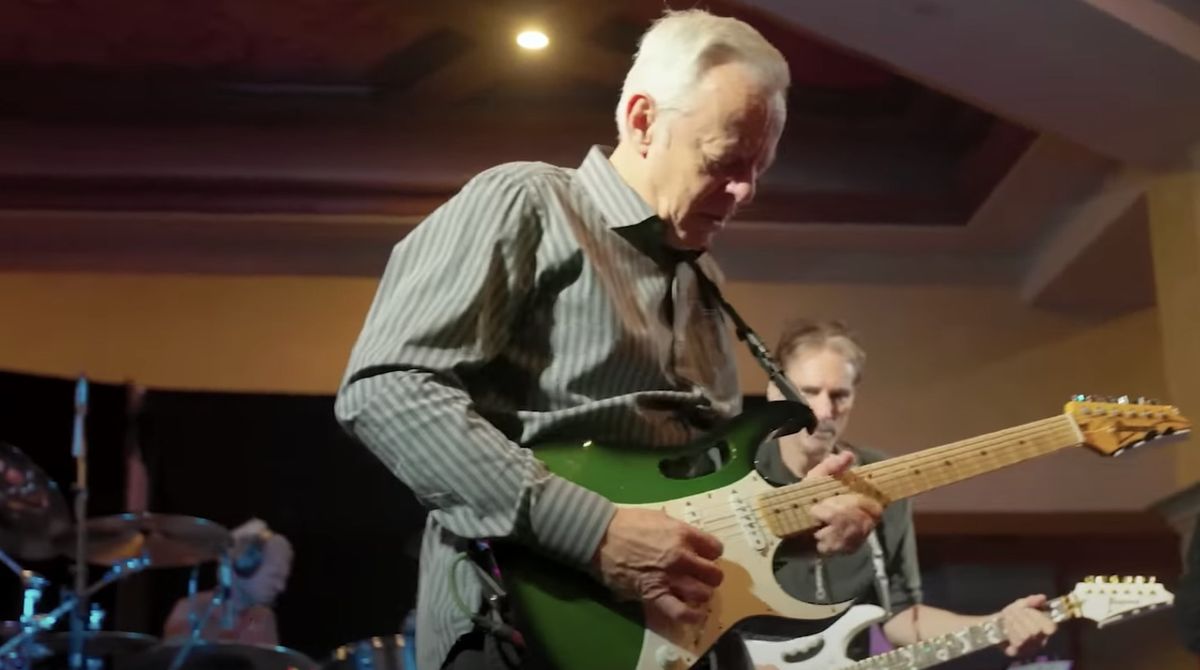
(549, 302)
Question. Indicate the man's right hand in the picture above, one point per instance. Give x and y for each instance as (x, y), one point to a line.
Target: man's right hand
(648, 556)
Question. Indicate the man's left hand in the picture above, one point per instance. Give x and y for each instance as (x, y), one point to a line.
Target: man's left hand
(1026, 626)
(847, 518)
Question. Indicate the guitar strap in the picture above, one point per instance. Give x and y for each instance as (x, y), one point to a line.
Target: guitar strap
(882, 585)
(767, 362)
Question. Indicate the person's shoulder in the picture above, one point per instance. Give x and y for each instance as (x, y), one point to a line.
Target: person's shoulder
(525, 176)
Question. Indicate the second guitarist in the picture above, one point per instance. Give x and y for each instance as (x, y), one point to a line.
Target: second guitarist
(825, 363)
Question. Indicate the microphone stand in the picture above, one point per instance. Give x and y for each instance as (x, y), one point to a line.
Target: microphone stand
(79, 452)
(222, 601)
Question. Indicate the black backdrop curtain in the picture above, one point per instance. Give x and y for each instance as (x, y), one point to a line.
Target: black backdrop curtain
(228, 457)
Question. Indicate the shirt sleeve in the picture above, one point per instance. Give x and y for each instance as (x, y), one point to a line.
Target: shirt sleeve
(444, 308)
(904, 571)
(1187, 597)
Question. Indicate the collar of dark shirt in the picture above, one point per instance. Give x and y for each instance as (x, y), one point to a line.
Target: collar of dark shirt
(625, 211)
(648, 238)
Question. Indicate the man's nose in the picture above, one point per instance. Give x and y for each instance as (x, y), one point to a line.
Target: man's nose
(821, 406)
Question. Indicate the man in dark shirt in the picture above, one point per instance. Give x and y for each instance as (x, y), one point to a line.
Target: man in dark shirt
(825, 363)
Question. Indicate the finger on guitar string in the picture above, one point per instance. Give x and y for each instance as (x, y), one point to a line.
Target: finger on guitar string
(647, 555)
(689, 589)
(705, 544)
(677, 610)
(848, 520)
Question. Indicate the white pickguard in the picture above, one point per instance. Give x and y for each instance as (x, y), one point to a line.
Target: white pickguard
(823, 651)
(748, 589)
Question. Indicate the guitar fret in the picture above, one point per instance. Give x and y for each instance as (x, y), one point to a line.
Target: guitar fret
(943, 648)
(785, 510)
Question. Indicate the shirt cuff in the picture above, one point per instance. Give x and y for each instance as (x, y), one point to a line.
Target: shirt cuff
(569, 521)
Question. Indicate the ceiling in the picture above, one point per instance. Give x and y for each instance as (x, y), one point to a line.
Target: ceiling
(304, 136)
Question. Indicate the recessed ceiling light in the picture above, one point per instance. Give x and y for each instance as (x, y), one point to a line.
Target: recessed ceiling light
(532, 40)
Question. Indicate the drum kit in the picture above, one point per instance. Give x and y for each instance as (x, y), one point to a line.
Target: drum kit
(35, 525)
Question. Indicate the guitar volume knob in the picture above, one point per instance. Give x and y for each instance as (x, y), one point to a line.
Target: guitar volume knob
(666, 656)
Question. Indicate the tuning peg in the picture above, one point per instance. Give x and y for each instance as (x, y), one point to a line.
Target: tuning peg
(1127, 580)
(1079, 397)
(1089, 579)
(1153, 580)
(1139, 580)
(1123, 400)
(1113, 579)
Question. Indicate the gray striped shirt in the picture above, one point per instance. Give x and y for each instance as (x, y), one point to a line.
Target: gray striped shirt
(538, 303)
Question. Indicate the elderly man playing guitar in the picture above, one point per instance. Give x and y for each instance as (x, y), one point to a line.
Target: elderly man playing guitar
(544, 304)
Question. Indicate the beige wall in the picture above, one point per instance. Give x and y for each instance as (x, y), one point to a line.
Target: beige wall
(946, 362)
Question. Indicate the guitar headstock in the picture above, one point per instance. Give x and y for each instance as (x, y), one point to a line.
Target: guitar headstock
(1107, 600)
(1112, 425)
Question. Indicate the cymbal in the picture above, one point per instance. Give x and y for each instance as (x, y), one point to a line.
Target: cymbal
(32, 510)
(168, 540)
(98, 643)
(206, 655)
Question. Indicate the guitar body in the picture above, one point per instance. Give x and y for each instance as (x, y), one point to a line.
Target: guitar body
(571, 621)
(823, 651)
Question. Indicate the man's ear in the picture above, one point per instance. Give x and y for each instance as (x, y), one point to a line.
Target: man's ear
(640, 114)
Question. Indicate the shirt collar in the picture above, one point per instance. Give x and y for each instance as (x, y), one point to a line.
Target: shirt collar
(625, 211)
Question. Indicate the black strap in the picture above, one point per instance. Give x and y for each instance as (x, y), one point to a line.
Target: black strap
(746, 334)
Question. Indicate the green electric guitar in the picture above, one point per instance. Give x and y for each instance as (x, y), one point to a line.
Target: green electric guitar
(571, 622)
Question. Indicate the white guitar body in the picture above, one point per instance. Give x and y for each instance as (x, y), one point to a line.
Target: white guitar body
(823, 651)
(1102, 600)
(749, 588)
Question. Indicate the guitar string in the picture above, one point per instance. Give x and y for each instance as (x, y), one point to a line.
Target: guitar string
(899, 468)
(916, 652)
(900, 472)
(824, 486)
(881, 478)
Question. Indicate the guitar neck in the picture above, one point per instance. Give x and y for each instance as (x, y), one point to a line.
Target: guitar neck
(943, 648)
(785, 510)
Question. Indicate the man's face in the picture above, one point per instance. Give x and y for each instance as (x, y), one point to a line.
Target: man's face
(705, 161)
(825, 379)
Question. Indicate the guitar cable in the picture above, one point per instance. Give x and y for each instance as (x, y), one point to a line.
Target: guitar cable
(493, 624)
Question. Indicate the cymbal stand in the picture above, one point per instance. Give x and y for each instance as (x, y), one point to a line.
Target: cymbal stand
(32, 585)
(70, 602)
(79, 452)
(222, 601)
